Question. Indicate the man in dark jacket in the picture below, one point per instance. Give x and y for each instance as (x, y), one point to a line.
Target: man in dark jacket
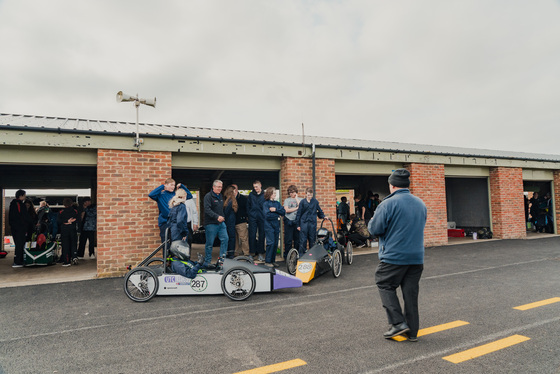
(256, 220)
(19, 223)
(399, 223)
(214, 221)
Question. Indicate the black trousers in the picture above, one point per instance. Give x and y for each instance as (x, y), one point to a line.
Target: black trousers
(86, 236)
(19, 241)
(256, 236)
(388, 278)
(69, 241)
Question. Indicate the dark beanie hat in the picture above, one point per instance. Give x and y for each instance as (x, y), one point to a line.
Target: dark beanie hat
(400, 178)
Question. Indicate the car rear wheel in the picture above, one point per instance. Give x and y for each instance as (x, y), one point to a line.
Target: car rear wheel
(291, 261)
(238, 283)
(336, 263)
(349, 253)
(244, 259)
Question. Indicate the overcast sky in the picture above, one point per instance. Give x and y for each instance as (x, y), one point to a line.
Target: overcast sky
(472, 73)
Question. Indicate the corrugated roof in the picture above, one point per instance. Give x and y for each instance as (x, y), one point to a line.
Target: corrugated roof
(146, 129)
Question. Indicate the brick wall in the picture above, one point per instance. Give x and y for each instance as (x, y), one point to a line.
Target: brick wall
(427, 182)
(299, 172)
(506, 200)
(126, 218)
(556, 198)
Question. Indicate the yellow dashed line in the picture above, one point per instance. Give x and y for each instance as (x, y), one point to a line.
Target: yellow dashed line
(538, 303)
(485, 349)
(275, 367)
(433, 329)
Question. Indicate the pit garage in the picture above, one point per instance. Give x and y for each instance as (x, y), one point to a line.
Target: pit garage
(540, 182)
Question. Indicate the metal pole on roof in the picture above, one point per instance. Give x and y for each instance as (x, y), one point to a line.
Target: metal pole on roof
(137, 101)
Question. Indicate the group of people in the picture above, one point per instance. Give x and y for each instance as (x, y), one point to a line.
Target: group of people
(539, 208)
(27, 223)
(247, 224)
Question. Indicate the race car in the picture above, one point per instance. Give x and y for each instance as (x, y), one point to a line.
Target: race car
(324, 256)
(236, 278)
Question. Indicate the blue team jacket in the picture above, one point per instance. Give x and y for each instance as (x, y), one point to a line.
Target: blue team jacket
(177, 221)
(308, 212)
(272, 217)
(162, 198)
(255, 204)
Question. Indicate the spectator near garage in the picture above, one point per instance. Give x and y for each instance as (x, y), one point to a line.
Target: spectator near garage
(272, 211)
(399, 223)
(19, 224)
(67, 221)
(306, 218)
(230, 210)
(214, 221)
(343, 210)
(291, 232)
(256, 221)
(89, 226)
(241, 224)
(162, 195)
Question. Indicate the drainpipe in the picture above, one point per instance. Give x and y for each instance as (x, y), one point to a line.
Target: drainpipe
(313, 163)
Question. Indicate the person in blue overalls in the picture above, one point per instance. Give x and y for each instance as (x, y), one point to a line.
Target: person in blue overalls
(162, 195)
(272, 210)
(306, 219)
(256, 221)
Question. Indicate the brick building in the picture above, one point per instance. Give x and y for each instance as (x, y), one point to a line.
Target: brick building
(474, 188)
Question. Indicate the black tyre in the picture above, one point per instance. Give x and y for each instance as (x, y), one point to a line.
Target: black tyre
(349, 253)
(155, 262)
(291, 261)
(238, 283)
(336, 263)
(244, 259)
(141, 284)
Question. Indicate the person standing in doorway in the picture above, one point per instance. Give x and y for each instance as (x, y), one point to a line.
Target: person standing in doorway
(306, 219)
(162, 195)
(241, 228)
(214, 222)
(291, 233)
(19, 224)
(272, 210)
(256, 221)
(399, 223)
(67, 221)
(89, 226)
(343, 210)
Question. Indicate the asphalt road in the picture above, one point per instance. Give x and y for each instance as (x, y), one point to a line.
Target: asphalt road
(330, 325)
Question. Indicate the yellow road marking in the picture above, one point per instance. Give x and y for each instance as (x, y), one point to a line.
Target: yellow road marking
(275, 367)
(485, 349)
(538, 303)
(433, 329)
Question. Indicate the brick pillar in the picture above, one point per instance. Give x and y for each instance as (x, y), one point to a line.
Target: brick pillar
(506, 199)
(556, 200)
(427, 182)
(127, 228)
(299, 172)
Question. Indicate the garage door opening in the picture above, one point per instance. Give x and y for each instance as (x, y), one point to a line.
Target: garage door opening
(51, 183)
(468, 207)
(539, 207)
